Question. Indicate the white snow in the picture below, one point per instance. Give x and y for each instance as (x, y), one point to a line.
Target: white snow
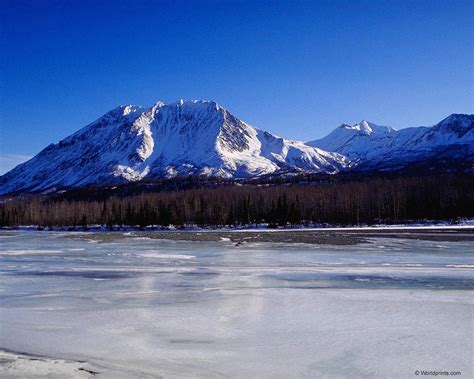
(17, 365)
(185, 137)
(201, 137)
(372, 144)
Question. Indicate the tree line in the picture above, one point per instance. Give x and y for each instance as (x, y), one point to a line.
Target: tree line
(342, 202)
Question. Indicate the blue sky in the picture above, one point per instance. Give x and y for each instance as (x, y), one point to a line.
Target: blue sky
(297, 69)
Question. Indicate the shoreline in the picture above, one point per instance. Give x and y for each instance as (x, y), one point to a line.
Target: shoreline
(442, 225)
(324, 236)
(21, 364)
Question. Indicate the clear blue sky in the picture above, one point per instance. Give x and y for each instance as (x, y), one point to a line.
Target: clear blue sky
(297, 69)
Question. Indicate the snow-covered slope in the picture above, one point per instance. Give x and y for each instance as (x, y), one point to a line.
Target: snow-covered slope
(353, 139)
(371, 146)
(186, 137)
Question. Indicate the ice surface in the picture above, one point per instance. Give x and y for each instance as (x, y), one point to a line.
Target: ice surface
(17, 365)
(131, 307)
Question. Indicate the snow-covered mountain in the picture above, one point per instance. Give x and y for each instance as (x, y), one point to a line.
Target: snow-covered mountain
(130, 143)
(371, 146)
(354, 140)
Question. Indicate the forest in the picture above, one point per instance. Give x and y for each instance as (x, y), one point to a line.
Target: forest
(344, 201)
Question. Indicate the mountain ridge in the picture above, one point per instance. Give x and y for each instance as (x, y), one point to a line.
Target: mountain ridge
(198, 137)
(390, 148)
(191, 137)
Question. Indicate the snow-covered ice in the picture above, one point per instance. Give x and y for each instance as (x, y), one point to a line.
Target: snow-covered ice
(130, 307)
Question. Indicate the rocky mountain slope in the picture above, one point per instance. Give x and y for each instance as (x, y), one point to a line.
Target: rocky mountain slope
(371, 146)
(130, 143)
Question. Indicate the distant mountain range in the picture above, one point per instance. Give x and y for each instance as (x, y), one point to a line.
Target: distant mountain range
(369, 146)
(130, 143)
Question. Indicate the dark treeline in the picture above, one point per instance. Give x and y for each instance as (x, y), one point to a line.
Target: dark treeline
(355, 201)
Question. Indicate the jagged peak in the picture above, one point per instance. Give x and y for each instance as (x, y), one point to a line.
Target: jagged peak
(363, 126)
(457, 117)
(189, 106)
(367, 127)
(159, 104)
(124, 110)
(194, 102)
(181, 103)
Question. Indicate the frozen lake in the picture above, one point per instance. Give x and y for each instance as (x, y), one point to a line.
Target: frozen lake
(138, 307)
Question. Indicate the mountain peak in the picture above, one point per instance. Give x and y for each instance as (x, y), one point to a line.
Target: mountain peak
(122, 110)
(458, 125)
(186, 137)
(367, 127)
(372, 144)
(466, 119)
(364, 126)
